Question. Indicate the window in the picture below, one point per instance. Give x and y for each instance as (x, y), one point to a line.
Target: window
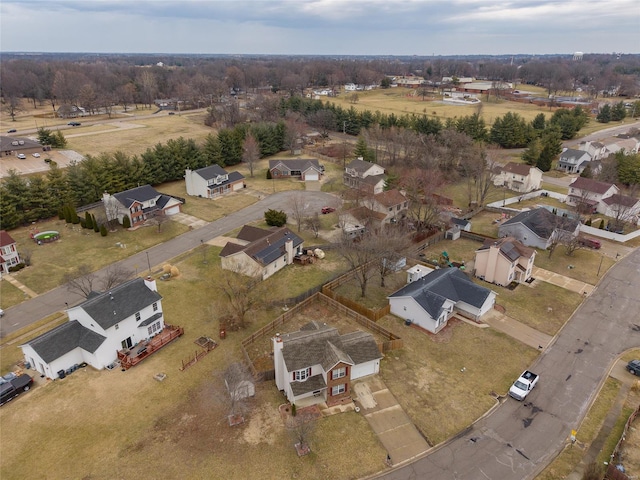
(338, 389)
(339, 373)
(155, 306)
(301, 375)
(153, 328)
(137, 316)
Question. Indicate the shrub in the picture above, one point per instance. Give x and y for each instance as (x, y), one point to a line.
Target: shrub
(275, 218)
(75, 219)
(126, 223)
(17, 267)
(88, 221)
(83, 223)
(103, 230)
(293, 409)
(268, 174)
(96, 227)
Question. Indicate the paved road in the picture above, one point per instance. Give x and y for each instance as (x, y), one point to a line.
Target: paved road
(517, 440)
(53, 301)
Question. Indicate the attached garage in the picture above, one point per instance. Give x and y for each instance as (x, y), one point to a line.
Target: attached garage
(311, 176)
(172, 210)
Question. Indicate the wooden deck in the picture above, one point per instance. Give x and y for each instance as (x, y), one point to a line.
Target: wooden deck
(131, 357)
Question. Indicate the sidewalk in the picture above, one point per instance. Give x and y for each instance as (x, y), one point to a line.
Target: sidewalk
(26, 290)
(562, 281)
(518, 330)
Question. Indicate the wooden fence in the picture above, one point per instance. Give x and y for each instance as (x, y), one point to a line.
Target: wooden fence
(130, 358)
(612, 472)
(391, 341)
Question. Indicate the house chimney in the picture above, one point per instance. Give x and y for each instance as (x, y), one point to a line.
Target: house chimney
(150, 283)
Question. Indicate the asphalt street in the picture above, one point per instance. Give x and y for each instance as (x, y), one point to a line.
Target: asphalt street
(55, 300)
(518, 439)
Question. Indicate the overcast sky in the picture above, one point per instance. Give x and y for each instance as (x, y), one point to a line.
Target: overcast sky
(331, 27)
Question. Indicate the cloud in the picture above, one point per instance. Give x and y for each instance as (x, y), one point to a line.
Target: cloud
(320, 26)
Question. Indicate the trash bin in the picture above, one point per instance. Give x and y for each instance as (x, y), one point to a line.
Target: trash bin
(61, 374)
(223, 333)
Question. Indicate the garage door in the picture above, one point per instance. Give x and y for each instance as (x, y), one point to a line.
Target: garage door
(311, 177)
(172, 210)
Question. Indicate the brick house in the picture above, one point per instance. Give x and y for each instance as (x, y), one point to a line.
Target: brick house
(316, 364)
(139, 204)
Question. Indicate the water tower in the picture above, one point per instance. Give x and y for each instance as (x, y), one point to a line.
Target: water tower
(577, 56)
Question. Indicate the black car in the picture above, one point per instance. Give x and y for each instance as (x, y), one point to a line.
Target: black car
(74, 124)
(13, 385)
(634, 367)
(13, 130)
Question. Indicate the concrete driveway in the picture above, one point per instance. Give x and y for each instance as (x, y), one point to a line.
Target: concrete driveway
(388, 420)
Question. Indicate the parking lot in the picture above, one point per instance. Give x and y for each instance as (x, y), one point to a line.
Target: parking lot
(32, 164)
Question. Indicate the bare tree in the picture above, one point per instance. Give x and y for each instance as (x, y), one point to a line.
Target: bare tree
(250, 152)
(391, 244)
(313, 223)
(238, 388)
(81, 281)
(298, 209)
(294, 131)
(571, 244)
(420, 187)
(360, 257)
(158, 219)
(241, 295)
(301, 427)
(114, 275)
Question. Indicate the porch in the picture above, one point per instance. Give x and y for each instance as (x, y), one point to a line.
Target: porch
(132, 356)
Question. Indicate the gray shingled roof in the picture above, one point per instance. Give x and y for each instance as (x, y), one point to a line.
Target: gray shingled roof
(139, 194)
(432, 290)
(265, 249)
(360, 166)
(121, 302)
(65, 338)
(590, 185)
(317, 343)
(301, 164)
(311, 384)
(542, 222)
(212, 171)
(511, 248)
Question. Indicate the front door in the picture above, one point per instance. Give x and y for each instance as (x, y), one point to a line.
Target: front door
(127, 343)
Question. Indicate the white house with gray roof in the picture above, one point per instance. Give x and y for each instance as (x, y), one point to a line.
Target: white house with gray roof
(430, 301)
(539, 228)
(316, 364)
(366, 176)
(98, 328)
(212, 181)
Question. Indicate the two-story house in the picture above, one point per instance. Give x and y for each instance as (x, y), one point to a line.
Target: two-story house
(316, 364)
(503, 261)
(431, 300)
(139, 204)
(573, 161)
(260, 253)
(588, 195)
(596, 150)
(365, 176)
(392, 203)
(518, 177)
(212, 181)
(9, 255)
(623, 208)
(305, 169)
(98, 328)
(539, 228)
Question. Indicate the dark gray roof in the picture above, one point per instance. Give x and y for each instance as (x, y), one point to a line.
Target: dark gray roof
(321, 344)
(373, 179)
(151, 319)
(139, 194)
(121, 302)
(63, 339)
(459, 221)
(542, 222)
(311, 384)
(573, 154)
(212, 171)
(432, 290)
(264, 249)
(360, 166)
(301, 164)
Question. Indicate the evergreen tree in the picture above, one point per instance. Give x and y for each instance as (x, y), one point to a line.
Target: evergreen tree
(96, 227)
(126, 223)
(275, 218)
(362, 150)
(539, 123)
(9, 217)
(103, 230)
(532, 152)
(511, 131)
(474, 126)
(618, 112)
(88, 221)
(587, 173)
(604, 115)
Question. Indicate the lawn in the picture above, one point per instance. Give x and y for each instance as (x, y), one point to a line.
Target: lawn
(180, 422)
(10, 295)
(77, 246)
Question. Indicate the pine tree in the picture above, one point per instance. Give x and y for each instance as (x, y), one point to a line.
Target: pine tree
(88, 221)
(103, 230)
(126, 223)
(604, 116)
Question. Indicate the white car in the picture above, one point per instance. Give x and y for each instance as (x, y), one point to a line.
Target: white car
(22, 156)
(36, 155)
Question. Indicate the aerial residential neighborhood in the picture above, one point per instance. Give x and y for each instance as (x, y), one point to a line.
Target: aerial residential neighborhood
(356, 265)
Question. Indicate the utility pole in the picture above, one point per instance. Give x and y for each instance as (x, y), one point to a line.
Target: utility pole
(344, 145)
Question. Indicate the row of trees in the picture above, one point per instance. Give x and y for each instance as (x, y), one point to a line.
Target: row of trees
(100, 82)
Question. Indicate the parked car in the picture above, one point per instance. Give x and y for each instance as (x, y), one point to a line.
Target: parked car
(74, 124)
(13, 385)
(1, 313)
(589, 242)
(22, 156)
(13, 130)
(634, 367)
(36, 155)
(328, 209)
(521, 388)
